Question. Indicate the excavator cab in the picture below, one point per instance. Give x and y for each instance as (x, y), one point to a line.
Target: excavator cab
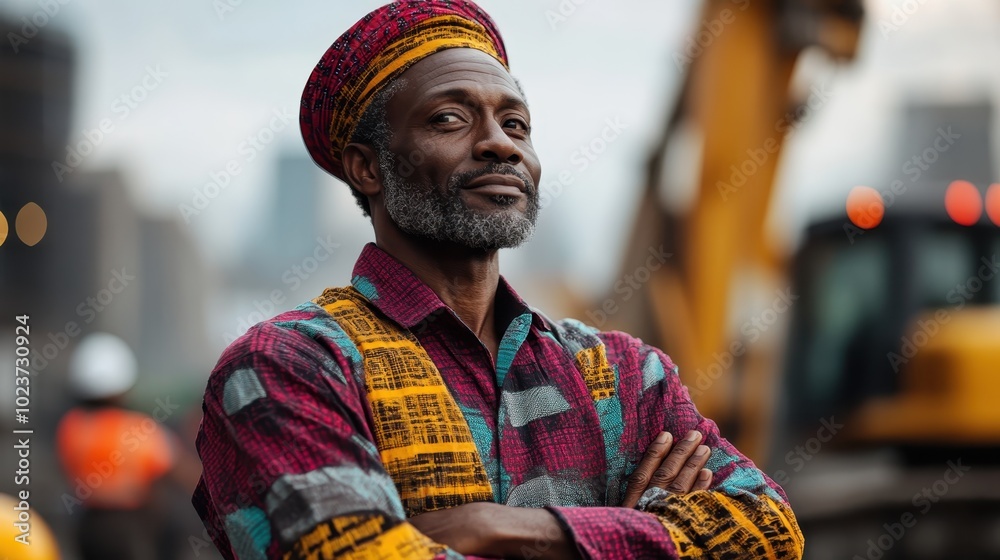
(895, 342)
(898, 333)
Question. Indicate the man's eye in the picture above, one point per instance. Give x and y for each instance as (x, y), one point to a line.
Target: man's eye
(517, 124)
(445, 118)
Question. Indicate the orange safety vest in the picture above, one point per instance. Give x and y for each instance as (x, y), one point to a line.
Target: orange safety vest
(112, 456)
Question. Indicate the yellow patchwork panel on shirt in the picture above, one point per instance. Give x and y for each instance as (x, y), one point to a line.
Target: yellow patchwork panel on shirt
(362, 537)
(733, 527)
(423, 438)
(597, 372)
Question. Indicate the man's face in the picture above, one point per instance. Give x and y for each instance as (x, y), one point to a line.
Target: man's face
(461, 167)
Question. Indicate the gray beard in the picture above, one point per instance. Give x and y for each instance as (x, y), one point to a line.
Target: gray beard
(440, 214)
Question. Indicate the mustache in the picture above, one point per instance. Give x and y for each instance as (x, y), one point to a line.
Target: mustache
(462, 180)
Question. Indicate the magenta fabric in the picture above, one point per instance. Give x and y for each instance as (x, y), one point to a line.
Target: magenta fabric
(287, 399)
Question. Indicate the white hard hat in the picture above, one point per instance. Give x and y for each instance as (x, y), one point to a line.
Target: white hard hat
(102, 366)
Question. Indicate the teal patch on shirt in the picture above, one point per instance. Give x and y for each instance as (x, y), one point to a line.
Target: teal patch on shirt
(483, 438)
(368, 446)
(322, 326)
(249, 533)
(505, 481)
(502, 488)
(512, 340)
(742, 481)
(366, 287)
(580, 326)
(575, 336)
(609, 412)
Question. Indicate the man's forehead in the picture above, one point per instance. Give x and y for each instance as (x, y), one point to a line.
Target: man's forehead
(454, 70)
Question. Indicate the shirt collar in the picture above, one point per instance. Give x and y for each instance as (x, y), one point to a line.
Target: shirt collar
(399, 294)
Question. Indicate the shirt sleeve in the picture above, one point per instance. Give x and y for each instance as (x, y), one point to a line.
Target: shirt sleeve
(744, 514)
(290, 467)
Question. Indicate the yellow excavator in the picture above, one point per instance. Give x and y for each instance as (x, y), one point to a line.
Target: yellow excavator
(863, 369)
(736, 105)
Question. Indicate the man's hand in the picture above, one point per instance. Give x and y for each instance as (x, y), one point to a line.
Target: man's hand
(679, 471)
(463, 528)
(495, 530)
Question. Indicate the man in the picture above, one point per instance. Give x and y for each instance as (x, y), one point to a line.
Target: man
(425, 411)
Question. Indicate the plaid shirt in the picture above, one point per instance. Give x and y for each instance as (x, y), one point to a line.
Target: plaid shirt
(291, 465)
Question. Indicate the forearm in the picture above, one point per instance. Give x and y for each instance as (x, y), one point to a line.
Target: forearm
(498, 531)
(696, 525)
(743, 514)
(533, 533)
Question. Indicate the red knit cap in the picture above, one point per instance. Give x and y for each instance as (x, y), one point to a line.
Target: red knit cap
(378, 48)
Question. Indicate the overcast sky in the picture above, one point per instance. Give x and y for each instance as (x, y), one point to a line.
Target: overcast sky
(223, 76)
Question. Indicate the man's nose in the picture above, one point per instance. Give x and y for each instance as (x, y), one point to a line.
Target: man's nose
(495, 145)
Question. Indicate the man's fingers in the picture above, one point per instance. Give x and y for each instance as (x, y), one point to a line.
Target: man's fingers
(638, 481)
(679, 455)
(704, 480)
(685, 479)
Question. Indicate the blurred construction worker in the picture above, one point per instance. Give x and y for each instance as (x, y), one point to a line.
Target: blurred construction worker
(115, 458)
(37, 544)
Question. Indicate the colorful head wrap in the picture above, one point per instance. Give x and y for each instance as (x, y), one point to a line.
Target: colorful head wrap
(378, 48)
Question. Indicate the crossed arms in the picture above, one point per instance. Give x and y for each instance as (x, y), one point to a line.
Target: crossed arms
(291, 472)
(490, 529)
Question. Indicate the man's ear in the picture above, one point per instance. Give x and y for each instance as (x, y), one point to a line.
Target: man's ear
(361, 169)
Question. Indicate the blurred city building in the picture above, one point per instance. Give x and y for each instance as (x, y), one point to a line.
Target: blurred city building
(101, 265)
(290, 225)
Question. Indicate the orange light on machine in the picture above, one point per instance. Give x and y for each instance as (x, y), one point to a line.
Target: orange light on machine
(865, 207)
(993, 203)
(963, 203)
